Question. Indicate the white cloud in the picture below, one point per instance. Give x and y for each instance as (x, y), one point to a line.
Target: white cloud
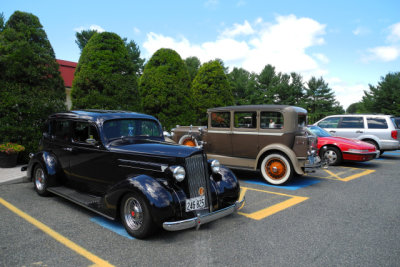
(282, 44)
(386, 53)
(345, 93)
(394, 35)
(238, 29)
(136, 30)
(361, 31)
(91, 27)
(321, 57)
(383, 53)
(211, 4)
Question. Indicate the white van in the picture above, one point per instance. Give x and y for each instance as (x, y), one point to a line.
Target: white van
(380, 130)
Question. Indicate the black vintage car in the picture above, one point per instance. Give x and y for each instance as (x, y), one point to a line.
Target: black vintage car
(118, 164)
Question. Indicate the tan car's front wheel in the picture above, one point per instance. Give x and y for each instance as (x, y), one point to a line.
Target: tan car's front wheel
(276, 169)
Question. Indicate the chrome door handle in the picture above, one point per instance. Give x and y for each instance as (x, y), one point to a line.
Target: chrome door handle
(359, 131)
(69, 149)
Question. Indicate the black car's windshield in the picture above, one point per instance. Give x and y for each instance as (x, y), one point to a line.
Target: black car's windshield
(131, 129)
(318, 131)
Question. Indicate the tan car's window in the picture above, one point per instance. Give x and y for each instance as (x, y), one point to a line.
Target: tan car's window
(220, 119)
(271, 120)
(245, 119)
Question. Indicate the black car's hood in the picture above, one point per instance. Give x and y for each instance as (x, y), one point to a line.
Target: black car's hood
(155, 148)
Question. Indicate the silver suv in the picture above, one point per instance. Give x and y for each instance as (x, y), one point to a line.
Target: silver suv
(380, 130)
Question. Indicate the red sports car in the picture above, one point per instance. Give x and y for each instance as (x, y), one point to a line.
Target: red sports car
(338, 149)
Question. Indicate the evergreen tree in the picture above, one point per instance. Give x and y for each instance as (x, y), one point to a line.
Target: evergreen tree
(31, 87)
(105, 76)
(210, 89)
(165, 89)
(385, 97)
(83, 37)
(134, 56)
(240, 81)
(193, 65)
(320, 100)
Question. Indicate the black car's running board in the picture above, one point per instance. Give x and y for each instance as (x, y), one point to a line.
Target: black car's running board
(87, 201)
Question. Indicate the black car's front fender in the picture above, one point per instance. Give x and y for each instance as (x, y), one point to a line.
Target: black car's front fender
(227, 187)
(161, 200)
(50, 164)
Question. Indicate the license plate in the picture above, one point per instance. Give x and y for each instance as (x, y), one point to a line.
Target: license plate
(196, 203)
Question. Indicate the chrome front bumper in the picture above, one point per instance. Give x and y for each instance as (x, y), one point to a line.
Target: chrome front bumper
(313, 163)
(202, 219)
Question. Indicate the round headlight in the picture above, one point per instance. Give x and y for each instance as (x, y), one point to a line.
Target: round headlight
(179, 173)
(215, 166)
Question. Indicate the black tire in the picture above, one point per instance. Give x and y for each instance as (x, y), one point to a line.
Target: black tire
(40, 181)
(135, 216)
(276, 169)
(333, 156)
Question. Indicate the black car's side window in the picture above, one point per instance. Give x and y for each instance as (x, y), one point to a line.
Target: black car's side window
(84, 132)
(60, 129)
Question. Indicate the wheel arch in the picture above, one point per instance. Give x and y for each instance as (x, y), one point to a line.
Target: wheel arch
(281, 149)
(161, 207)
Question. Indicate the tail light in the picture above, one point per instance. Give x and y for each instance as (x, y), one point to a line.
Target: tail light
(394, 134)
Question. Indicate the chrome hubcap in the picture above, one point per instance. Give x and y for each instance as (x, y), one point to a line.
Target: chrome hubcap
(331, 156)
(133, 213)
(39, 179)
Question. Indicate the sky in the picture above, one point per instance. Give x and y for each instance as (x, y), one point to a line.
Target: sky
(350, 44)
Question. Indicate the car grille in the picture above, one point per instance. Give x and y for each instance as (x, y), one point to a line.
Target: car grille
(197, 176)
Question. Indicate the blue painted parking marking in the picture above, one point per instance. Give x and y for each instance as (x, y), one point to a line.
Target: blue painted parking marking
(116, 227)
(292, 185)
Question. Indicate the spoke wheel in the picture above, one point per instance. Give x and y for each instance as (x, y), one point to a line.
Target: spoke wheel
(135, 216)
(276, 169)
(189, 142)
(333, 155)
(40, 181)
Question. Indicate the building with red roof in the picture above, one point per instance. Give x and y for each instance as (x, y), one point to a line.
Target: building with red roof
(67, 70)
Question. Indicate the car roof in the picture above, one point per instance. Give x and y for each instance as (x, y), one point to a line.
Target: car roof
(99, 115)
(259, 107)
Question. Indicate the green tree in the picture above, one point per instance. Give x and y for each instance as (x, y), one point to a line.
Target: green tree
(267, 82)
(193, 64)
(105, 77)
(165, 90)
(320, 100)
(134, 56)
(83, 37)
(385, 97)
(242, 84)
(2, 21)
(210, 89)
(355, 108)
(31, 86)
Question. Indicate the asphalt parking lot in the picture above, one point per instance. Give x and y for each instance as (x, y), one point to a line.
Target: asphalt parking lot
(344, 216)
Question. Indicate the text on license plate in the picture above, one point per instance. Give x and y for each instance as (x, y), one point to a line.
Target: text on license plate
(195, 203)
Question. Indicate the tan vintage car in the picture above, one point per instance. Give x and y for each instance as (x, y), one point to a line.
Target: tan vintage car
(269, 138)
